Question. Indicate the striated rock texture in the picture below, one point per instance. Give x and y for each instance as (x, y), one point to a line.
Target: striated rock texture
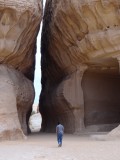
(80, 65)
(19, 24)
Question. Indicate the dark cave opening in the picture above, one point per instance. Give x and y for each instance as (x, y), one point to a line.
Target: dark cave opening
(101, 100)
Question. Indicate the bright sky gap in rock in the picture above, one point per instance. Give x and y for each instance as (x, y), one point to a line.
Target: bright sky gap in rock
(37, 80)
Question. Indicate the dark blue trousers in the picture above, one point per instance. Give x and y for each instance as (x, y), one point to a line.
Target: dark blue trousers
(59, 138)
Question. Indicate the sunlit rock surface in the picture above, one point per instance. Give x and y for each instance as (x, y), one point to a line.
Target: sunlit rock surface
(35, 122)
(80, 65)
(19, 25)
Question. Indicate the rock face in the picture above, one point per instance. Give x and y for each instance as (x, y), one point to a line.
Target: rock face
(35, 122)
(16, 97)
(80, 65)
(19, 24)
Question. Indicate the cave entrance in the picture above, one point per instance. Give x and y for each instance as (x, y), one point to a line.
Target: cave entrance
(102, 99)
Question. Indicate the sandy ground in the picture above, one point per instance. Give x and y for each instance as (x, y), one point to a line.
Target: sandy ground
(44, 147)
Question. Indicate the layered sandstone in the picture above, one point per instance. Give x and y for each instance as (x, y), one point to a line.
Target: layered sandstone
(19, 25)
(80, 64)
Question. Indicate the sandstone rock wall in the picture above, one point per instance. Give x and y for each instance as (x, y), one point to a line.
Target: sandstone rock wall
(79, 36)
(19, 25)
(16, 97)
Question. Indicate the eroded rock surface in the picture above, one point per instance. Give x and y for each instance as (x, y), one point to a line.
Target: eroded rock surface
(19, 25)
(16, 97)
(80, 42)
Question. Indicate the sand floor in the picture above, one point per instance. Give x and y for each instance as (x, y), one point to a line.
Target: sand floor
(44, 147)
